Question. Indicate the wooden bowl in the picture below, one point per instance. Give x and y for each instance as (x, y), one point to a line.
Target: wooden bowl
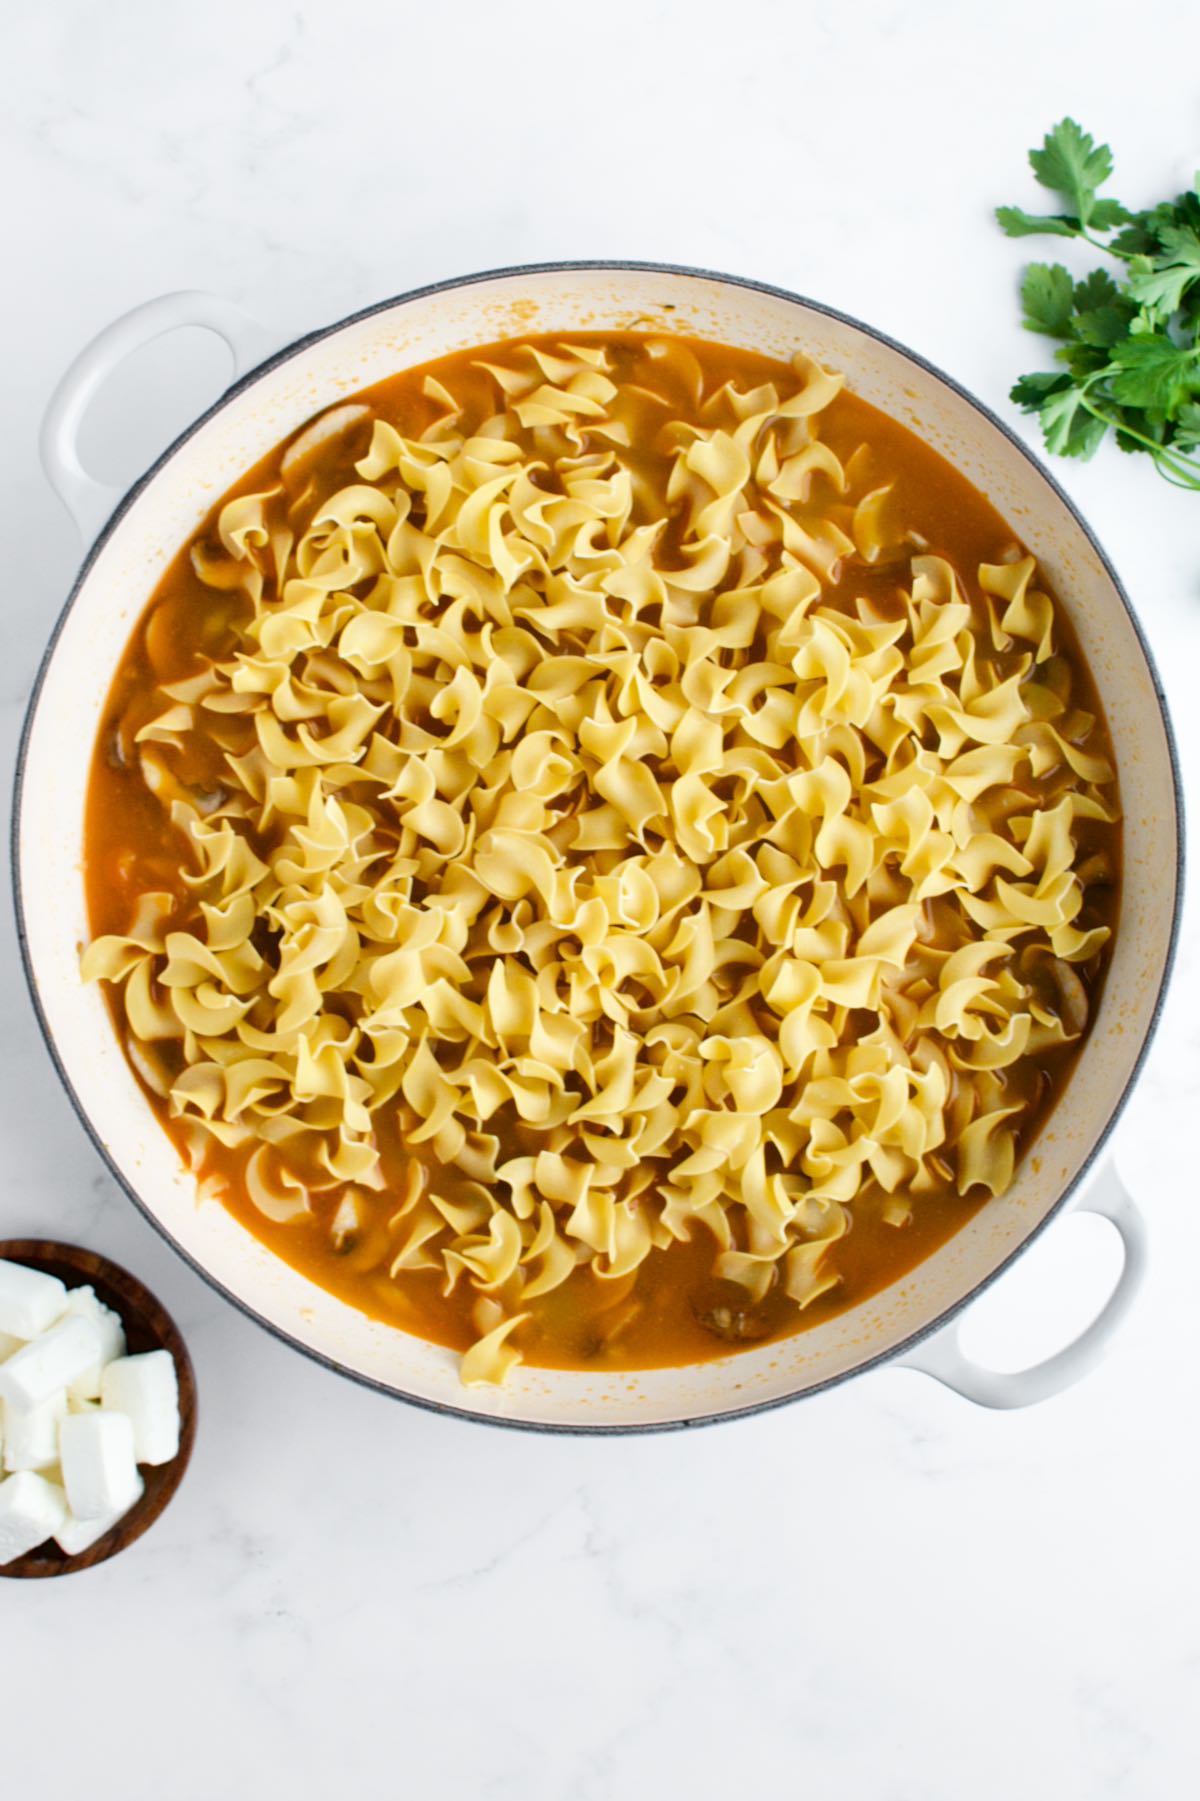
(148, 1327)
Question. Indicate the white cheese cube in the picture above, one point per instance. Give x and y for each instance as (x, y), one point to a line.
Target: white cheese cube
(31, 1511)
(99, 1468)
(83, 1303)
(74, 1536)
(53, 1361)
(31, 1433)
(9, 1343)
(30, 1300)
(147, 1389)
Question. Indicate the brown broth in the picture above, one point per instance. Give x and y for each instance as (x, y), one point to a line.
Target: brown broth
(670, 1311)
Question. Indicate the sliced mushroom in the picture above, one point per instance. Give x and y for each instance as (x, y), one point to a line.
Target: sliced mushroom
(1073, 1000)
(736, 1325)
(1096, 871)
(346, 1224)
(329, 425)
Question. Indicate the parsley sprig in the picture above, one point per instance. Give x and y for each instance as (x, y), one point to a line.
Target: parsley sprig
(1129, 350)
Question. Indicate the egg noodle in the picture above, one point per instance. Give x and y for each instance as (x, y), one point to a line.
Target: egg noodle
(564, 814)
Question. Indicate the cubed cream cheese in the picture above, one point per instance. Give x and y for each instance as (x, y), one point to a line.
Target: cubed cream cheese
(84, 1303)
(59, 1357)
(31, 1511)
(99, 1467)
(77, 1415)
(146, 1388)
(30, 1300)
(31, 1433)
(75, 1535)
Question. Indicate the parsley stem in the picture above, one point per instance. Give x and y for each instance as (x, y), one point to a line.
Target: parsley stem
(1097, 244)
(1186, 470)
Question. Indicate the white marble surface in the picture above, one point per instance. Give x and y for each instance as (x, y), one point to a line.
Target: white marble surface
(882, 1594)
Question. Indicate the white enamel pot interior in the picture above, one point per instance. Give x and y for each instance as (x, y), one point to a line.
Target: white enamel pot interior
(126, 561)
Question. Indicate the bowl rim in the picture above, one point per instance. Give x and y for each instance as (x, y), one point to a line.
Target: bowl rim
(297, 347)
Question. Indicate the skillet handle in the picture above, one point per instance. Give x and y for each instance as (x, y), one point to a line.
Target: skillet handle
(942, 1357)
(90, 502)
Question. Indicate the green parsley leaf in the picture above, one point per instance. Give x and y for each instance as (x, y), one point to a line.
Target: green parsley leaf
(1155, 373)
(1187, 206)
(1187, 427)
(1105, 214)
(1102, 326)
(1068, 428)
(1096, 289)
(1137, 239)
(1017, 224)
(1082, 359)
(1048, 296)
(1165, 281)
(1030, 391)
(1102, 314)
(1162, 289)
(1070, 162)
(1181, 244)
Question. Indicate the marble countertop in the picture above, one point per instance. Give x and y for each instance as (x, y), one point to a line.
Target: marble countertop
(884, 1594)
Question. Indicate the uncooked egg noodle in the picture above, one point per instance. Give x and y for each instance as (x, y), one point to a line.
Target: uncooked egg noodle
(573, 805)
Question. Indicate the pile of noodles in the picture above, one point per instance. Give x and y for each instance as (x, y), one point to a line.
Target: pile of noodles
(564, 813)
